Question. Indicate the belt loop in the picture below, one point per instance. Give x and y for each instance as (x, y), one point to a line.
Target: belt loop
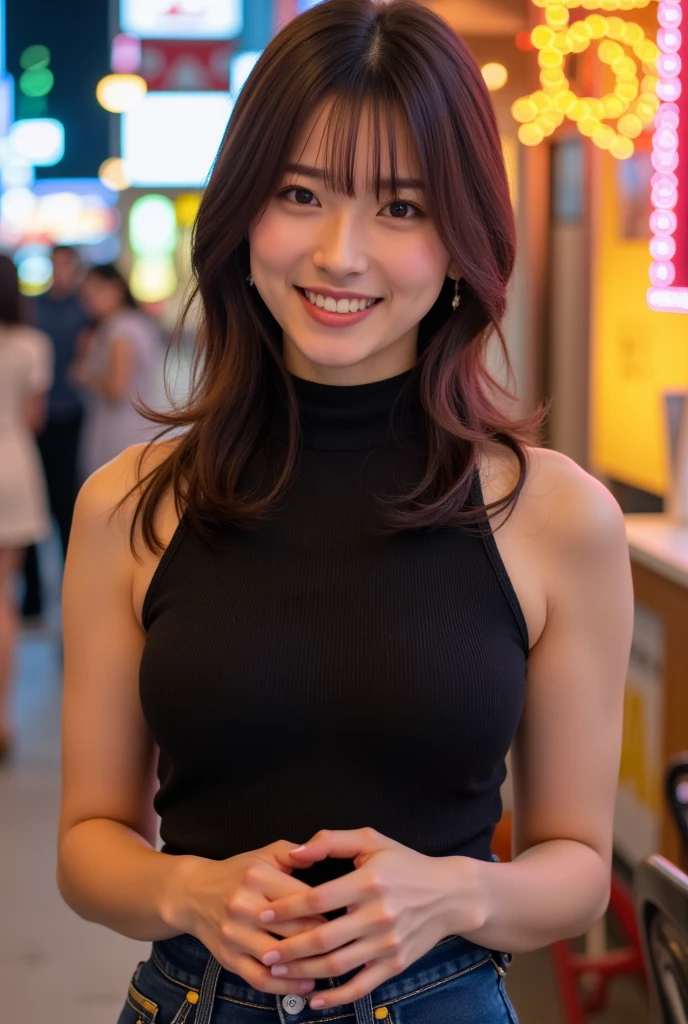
(280, 1010)
(206, 1000)
(364, 1010)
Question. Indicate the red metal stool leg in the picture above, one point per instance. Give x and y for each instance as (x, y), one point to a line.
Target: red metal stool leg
(569, 966)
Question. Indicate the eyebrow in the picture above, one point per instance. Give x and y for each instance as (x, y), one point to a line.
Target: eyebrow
(386, 183)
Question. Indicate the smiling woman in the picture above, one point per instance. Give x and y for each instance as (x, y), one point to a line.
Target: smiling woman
(348, 171)
(350, 673)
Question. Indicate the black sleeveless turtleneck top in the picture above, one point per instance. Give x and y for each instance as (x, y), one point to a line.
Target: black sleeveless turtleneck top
(311, 674)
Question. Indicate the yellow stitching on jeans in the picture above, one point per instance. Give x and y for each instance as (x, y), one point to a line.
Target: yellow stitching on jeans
(144, 1003)
(138, 1010)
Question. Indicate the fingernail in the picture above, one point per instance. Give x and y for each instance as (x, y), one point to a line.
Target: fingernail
(271, 958)
(268, 915)
(280, 969)
(317, 1004)
(299, 849)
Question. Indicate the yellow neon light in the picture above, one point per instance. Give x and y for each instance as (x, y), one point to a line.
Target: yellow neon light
(634, 102)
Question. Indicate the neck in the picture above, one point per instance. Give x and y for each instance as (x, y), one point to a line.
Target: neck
(391, 362)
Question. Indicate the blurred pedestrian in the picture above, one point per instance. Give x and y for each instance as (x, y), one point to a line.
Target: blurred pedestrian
(60, 314)
(121, 362)
(26, 374)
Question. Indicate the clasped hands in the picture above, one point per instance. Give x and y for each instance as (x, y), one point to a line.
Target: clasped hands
(399, 904)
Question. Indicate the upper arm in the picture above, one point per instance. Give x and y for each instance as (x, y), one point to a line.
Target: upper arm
(39, 377)
(108, 754)
(565, 760)
(122, 356)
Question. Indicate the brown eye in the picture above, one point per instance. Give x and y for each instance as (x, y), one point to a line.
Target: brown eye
(399, 208)
(300, 194)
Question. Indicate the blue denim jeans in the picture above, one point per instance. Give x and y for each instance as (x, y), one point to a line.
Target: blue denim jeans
(456, 982)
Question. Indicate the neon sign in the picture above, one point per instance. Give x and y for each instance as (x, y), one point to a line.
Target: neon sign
(669, 245)
(634, 102)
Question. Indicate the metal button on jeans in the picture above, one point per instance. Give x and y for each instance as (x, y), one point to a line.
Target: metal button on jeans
(293, 1004)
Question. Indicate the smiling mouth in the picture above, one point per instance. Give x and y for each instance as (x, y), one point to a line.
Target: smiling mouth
(329, 301)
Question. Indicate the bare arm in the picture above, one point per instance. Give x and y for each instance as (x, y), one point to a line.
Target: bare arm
(36, 411)
(565, 760)
(108, 868)
(115, 383)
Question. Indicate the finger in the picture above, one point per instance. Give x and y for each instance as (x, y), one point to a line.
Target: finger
(345, 843)
(333, 964)
(287, 929)
(245, 945)
(273, 884)
(364, 983)
(331, 935)
(258, 977)
(342, 892)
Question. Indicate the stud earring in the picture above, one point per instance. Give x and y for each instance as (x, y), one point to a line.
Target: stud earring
(250, 280)
(456, 301)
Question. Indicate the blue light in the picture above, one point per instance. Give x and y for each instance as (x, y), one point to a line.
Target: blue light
(78, 186)
(305, 5)
(39, 140)
(6, 103)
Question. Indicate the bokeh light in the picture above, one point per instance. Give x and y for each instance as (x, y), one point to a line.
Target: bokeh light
(621, 44)
(33, 58)
(40, 141)
(113, 173)
(121, 93)
(153, 278)
(496, 76)
(34, 269)
(186, 208)
(36, 82)
(153, 225)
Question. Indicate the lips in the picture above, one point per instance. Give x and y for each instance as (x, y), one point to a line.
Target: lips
(328, 295)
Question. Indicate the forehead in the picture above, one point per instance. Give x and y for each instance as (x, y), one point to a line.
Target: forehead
(367, 144)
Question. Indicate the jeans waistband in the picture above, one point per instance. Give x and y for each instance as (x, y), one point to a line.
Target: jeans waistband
(184, 959)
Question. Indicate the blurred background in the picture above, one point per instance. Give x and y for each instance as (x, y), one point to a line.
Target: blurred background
(111, 113)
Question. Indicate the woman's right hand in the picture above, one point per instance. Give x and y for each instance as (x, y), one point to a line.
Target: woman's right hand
(218, 902)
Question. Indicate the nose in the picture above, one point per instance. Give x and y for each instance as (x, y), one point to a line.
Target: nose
(341, 247)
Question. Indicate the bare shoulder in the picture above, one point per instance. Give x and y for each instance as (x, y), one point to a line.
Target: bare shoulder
(560, 502)
(111, 492)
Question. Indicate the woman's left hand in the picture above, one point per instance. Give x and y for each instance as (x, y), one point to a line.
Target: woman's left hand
(399, 902)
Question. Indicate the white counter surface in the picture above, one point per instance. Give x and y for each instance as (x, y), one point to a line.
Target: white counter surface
(660, 544)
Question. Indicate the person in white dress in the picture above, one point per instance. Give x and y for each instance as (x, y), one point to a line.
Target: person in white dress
(122, 362)
(26, 373)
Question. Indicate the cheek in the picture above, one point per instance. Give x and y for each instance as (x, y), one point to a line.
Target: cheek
(417, 267)
(274, 242)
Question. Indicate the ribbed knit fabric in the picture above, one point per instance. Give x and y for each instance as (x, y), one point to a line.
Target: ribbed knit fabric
(313, 675)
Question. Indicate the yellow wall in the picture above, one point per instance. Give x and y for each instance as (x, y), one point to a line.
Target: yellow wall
(636, 353)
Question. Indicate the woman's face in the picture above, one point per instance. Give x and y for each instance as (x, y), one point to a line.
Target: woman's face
(310, 238)
(99, 297)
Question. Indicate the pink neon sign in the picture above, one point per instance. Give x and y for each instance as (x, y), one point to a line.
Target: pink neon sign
(669, 221)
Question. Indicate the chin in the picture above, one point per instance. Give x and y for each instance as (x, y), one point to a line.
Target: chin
(334, 360)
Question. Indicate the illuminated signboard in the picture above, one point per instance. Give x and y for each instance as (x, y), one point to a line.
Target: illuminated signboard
(182, 19)
(669, 222)
(171, 138)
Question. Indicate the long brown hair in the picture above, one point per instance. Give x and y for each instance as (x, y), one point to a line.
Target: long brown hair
(396, 57)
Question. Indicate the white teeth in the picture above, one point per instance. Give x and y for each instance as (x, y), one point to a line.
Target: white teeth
(340, 306)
